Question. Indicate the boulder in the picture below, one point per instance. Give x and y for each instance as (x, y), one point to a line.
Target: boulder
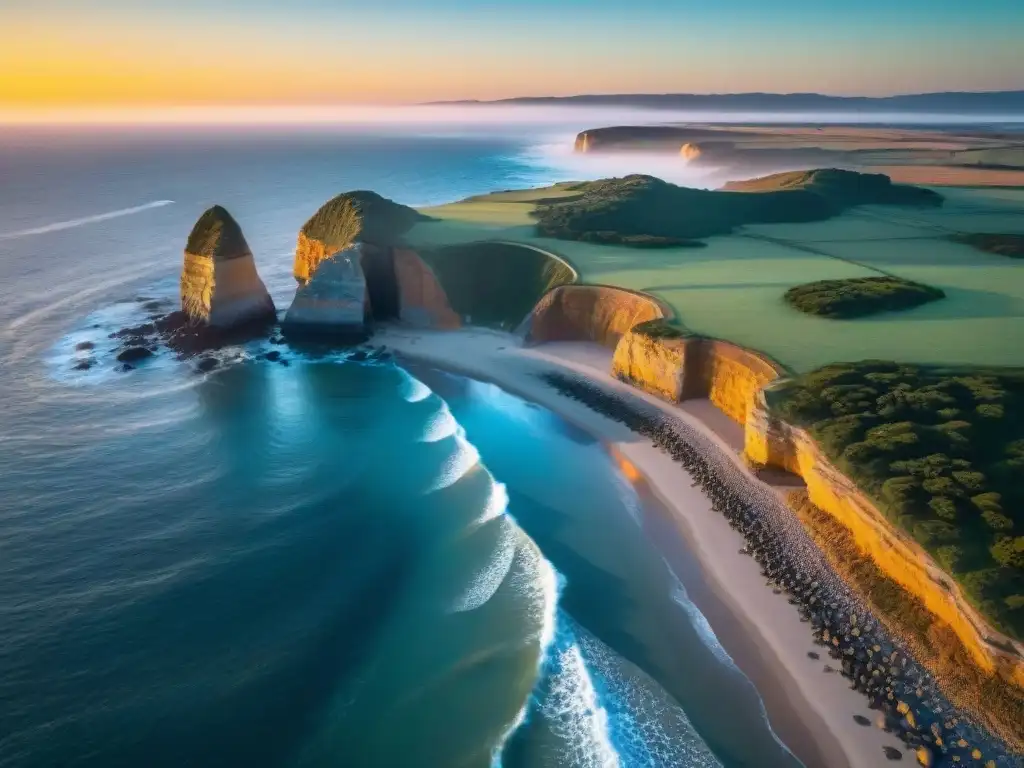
(333, 302)
(220, 287)
(342, 221)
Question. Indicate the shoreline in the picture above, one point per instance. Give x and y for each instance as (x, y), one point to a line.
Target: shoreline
(811, 711)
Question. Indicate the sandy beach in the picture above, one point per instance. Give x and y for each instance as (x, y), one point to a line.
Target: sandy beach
(812, 711)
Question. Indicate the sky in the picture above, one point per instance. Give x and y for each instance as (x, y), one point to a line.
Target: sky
(146, 53)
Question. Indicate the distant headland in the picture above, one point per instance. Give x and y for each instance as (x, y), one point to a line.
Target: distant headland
(946, 102)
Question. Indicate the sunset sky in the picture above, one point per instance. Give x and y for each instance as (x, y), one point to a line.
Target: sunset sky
(59, 53)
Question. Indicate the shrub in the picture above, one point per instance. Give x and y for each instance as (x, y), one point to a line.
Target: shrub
(859, 296)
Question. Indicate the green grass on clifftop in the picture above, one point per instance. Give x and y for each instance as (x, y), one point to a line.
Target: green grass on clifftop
(645, 207)
(860, 296)
(495, 284)
(363, 215)
(941, 451)
(216, 234)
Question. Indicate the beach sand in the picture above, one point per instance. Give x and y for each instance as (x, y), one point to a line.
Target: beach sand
(811, 710)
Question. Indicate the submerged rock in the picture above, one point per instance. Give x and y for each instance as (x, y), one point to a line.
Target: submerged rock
(134, 354)
(332, 303)
(219, 283)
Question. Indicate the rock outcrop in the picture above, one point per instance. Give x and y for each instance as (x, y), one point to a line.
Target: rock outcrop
(422, 301)
(588, 313)
(772, 442)
(685, 367)
(219, 283)
(333, 302)
(350, 217)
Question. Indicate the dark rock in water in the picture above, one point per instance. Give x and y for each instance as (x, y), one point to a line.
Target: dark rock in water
(892, 753)
(284, 362)
(134, 354)
(84, 365)
(813, 655)
(861, 720)
(207, 364)
(84, 345)
(156, 306)
(358, 356)
(125, 368)
(188, 338)
(273, 356)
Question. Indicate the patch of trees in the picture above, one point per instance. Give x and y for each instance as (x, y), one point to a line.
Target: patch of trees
(991, 242)
(860, 296)
(941, 452)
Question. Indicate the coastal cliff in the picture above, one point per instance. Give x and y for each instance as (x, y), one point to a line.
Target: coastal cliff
(422, 300)
(220, 286)
(772, 442)
(684, 367)
(333, 302)
(601, 314)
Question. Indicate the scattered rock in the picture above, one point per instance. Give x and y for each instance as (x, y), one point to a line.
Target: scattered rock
(84, 345)
(892, 753)
(273, 356)
(358, 356)
(813, 655)
(84, 365)
(861, 720)
(207, 364)
(134, 354)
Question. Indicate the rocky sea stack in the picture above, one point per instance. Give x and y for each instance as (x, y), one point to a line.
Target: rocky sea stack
(219, 283)
(351, 217)
(333, 302)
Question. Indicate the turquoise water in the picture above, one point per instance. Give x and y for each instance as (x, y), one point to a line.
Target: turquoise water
(320, 564)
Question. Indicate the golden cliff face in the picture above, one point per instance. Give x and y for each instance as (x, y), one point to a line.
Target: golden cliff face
(679, 369)
(308, 255)
(775, 443)
(422, 300)
(589, 313)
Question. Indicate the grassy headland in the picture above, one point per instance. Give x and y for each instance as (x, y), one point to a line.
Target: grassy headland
(860, 296)
(941, 453)
(642, 207)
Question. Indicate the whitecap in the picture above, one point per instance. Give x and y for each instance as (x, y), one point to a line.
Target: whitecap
(72, 223)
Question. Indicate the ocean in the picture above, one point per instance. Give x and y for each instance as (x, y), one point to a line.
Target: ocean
(327, 563)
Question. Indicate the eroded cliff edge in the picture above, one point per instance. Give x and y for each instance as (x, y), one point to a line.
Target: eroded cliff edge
(675, 366)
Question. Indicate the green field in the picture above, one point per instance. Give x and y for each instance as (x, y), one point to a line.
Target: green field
(733, 288)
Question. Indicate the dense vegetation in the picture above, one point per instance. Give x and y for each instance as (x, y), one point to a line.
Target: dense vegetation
(860, 296)
(643, 206)
(495, 284)
(991, 242)
(217, 234)
(942, 454)
(360, 215)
